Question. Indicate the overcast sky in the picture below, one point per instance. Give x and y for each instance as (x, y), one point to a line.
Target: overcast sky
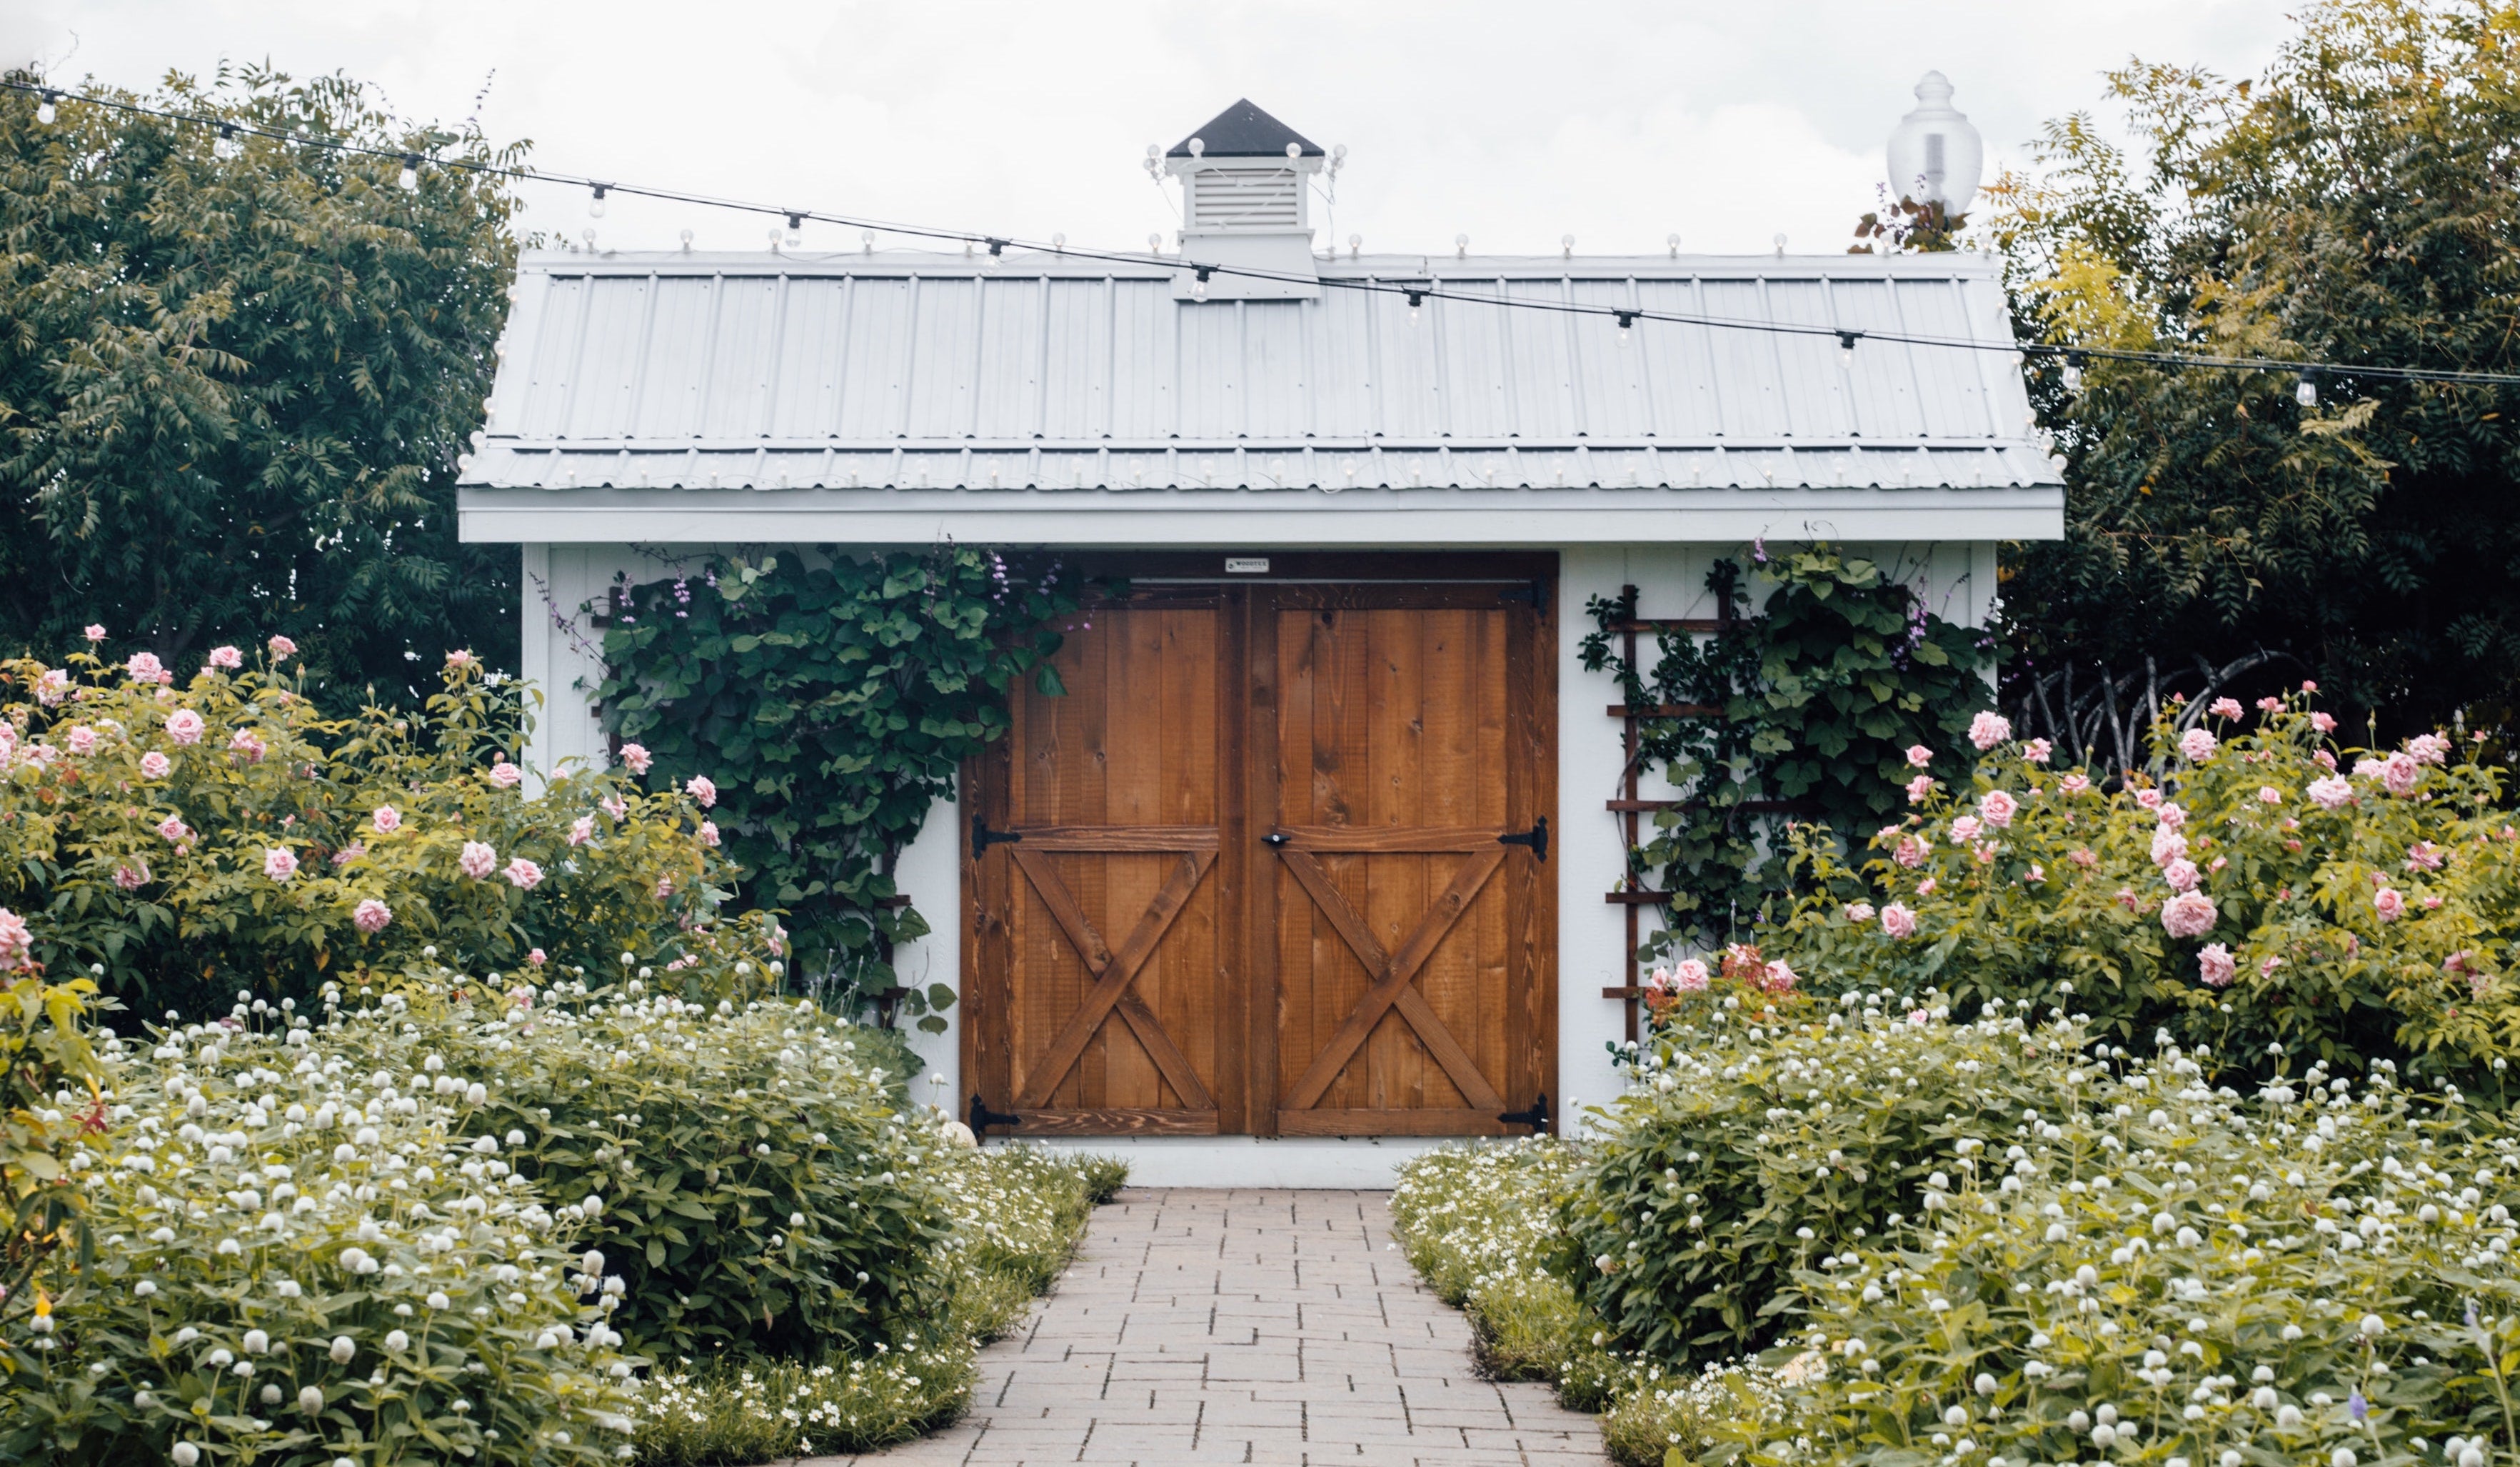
(1616, 121)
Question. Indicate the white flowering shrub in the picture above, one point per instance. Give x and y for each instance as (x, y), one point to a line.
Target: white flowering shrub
(1481, 1223)
(2172, 1274)
(301, 1257)
(1760, 1131)
(749, 1170)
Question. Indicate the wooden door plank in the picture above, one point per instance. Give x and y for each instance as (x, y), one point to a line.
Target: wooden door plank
(1112, 972)
(1393, 976)
(1262, 977)
(1429, 838)
(1113, 1120)
(1225, 978)
(1430, 1121)
(1113, 840)
(1160, 1046)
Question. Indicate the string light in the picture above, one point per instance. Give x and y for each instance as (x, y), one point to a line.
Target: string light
(1198, 287)
(2073, 370)
(1846, 341)
(409, 177)
(1416, 293)
(595, 206)
(1627, 327)
(796, 230)
(227, 147)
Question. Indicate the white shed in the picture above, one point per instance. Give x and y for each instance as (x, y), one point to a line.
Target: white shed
(1262, 902)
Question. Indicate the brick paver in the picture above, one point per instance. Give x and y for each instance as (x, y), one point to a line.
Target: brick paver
(1245, 1326)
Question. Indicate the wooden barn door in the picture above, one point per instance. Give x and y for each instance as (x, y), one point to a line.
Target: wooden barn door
(1405, 782)
(1102, 987)
(1274, 863)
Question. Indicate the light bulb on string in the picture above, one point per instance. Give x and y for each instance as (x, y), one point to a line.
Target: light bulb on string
(2305, 391)
(226, 147)
(773, 239)
(1627, 327)
(1154, 244)
(45, 111)
(866, 240)
(1846, 348)
(2073, 374)
(409, 179)
(1355, 245)
(796, 230)
(1198, 287)
(1417, 298)
(1673, 241)
(595, 204)
(1058, 243)
(996, 253)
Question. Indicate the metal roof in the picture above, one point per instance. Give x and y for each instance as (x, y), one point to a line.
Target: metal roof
(1085, 379)
(1243, 131)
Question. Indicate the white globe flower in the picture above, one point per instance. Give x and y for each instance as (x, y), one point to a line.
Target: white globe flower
(398, 1340)
(185, 1454)
(343, 1349)
(310, 1399)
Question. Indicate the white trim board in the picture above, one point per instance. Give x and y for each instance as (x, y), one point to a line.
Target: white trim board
(1318, 1162)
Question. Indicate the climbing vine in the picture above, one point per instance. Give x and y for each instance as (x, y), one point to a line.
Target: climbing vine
(1801, 714)
(830, 702)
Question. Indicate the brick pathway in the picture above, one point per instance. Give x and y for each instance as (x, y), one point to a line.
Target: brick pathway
(1233, 1326)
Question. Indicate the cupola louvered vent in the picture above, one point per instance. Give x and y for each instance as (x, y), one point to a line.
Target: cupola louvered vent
(1240, 199)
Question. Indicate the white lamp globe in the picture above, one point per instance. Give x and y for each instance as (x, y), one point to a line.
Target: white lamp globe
(1935, 153)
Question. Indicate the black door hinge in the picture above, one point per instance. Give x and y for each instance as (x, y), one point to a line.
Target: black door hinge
(1537, 1117)
(982, 837)
(1535, 595)
(1537, 837)
(982, 1117)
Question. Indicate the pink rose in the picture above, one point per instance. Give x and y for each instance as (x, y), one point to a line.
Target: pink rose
(2038, 873)
(2214, 964)
(635, 757)
(2271, 704)
(2189, 914)
(129, 878)
(2398, 775)
(2150, 798)
(2324, 722)
(700, 789)
(2038, 751)
(82, 739)
(2330, 793)
(2390, 902)
(154, 766)
(1918, 787)
(1918, 755)
(1927, 887)
(613, 806)
(505, 775)
(1859, 912)
(246, 747)
(581, 830)
(227, 658)
(460, 658)
(2197, 745)
(708, 834)
(2270, 795)
(1898, 921)
(535, 957)
(184, 726)
(1690, 976)
(350, 852)
(95, 633)
(2171, 816)
(1998, 808)
(523, 874)
(2168, 846)
(2180, 874)
(144, 666)
(17, 941)
(371, 916)
(1776, 978)
(281, 649)
(2428, 749)
(174, 829)
(1965, 829)
(280, 863)
(1911, 852)
(2224, 707)
(388, 819)
(2268, 967)
(2085, 857)
(476, 860)
(52, 687)
(1989, 729)
(2075, 784)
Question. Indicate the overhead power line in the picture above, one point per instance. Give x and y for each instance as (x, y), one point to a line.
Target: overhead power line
(2310, 374)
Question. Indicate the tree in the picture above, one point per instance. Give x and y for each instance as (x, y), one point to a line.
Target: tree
(236, 372)
(2355, 204)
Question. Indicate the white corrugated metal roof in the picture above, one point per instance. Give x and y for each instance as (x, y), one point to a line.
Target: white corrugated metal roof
(901, 372)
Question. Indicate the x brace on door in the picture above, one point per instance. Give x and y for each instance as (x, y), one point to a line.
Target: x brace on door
(1114, 971)
(1394, 973)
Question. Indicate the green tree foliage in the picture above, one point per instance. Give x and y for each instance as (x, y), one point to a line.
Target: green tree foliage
(233, 388)
(1804, 711)
(831, 703)
(2357, 203)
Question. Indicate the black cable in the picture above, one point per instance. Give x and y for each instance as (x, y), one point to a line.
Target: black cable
(1415, 291)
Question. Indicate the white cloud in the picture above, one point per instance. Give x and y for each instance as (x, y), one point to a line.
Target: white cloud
(1618, 121)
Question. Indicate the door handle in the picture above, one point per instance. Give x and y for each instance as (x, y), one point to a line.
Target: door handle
(1537, 837)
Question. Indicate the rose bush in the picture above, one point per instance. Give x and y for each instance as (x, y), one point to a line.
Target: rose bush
(178, 839)
(2272, 894)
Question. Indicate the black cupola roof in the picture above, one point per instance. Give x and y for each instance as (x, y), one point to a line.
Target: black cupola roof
(1245, 132)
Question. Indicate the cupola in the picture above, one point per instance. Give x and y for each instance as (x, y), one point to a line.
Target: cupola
(1246, 204)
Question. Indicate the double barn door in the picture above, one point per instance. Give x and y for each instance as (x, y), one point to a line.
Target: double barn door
(1274, 863)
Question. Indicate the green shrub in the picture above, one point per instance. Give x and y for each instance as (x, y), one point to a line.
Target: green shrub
(48, 1101)
(1480, 1224)
(2369, 913)
(180, 842)
(754, 1183)
(1752, 1140)
(2171, 1272)
(286, 1275)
